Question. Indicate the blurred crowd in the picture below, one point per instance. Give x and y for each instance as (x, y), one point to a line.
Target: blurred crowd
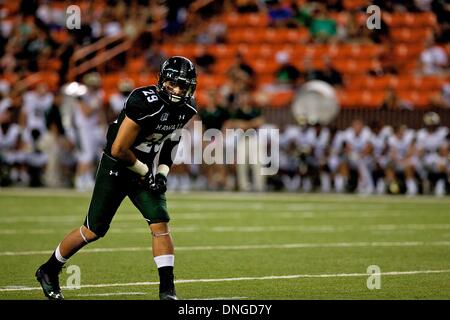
(48, 138)
(367, 158)
(56, 141)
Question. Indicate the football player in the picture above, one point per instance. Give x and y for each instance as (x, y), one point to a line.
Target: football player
(146, 127)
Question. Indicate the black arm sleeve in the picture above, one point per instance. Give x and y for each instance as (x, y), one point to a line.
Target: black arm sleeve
(168, 152)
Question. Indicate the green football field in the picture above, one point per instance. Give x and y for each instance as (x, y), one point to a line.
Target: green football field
(238, 246)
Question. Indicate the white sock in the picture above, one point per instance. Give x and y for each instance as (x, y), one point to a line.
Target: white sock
(167, 260)
(58, 255)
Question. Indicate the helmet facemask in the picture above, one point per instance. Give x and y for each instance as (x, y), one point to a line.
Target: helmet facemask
(177, 90)
(177, 80)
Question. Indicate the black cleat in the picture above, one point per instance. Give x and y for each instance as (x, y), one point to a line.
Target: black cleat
(50, 284)
(168, 295)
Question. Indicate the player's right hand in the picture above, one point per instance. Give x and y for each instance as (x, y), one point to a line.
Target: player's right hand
(147, 181)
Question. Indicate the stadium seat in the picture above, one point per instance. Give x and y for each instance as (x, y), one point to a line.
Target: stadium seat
(207, 81)
(281, 99)
(222, 50)
(409, 35)
(135, 65)
(420, 100)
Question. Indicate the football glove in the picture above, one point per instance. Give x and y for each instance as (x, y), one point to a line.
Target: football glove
(147, 181)
(160, 184)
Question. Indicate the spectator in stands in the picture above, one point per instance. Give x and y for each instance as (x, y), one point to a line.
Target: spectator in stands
(335, 5)
(280, 14)
(242, 72)
(329, 74)
(247, 6)
(323, 27)
(310, 73)
(176, 16)
(64, 53)
(155, 56)
(377, 35)
(287, 74)
(214, 33)
(205, 61)
(441, 8)
(442, 99)
(433, 59)
(392, 101)
(387, 65)
(35, 48)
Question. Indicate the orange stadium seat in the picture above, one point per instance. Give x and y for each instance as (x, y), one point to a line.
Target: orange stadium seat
(410, 35)
(354, 4)
(135, 65)
(262, 66)
(207, 81)
(420, 100)
(354, 66)
(222, 66)
(395, 20)
(280, 99)
(110, 81)
(222, 51)
(361, 99)
(245, 20)
(408, 50)
(259, 20)
(51, 78)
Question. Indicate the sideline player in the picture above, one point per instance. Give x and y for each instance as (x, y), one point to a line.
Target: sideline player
(150, 117)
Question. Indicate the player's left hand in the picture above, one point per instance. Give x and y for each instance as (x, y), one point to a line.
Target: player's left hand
(160, 185)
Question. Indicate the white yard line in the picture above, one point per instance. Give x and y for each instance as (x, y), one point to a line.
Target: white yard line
(249, 247)
(293, 276)
(240, 196)
(292, 198)
(252, 229)
(283, 213)
(220, 298)
(111, 294)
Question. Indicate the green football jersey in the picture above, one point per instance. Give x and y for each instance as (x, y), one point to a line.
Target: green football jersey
(158, 121)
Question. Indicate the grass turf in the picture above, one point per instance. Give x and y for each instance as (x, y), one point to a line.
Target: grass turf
(238, 246)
